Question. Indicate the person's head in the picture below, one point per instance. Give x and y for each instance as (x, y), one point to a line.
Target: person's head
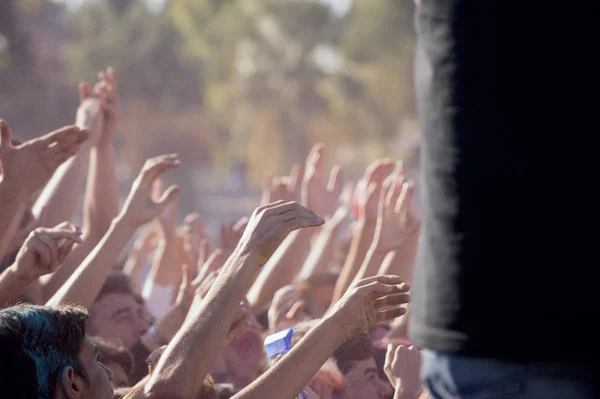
(116, 313)
(328, 382)
(46, 354)
(117, 358)
(244, 356)
(355, 360)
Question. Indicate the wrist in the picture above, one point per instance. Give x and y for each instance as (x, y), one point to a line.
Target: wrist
(405, 392)
(122, 222)
(17, 276)
(336, 326)
(11, 190)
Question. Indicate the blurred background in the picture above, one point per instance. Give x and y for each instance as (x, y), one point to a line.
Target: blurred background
(236, 88)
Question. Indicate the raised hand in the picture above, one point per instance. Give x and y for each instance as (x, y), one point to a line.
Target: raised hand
(29, 166)
(213, 263)
(316, 194)
(45, 249)
(395, 221)
(369, 188)
(402, 367)
(282, 189)
(90, 115)
(286, 309)
(167, 219)
(231, 233)
(269, 225)
(193, 234)
(140, 207)
(372, 300)
(107, 90)
(99, 107)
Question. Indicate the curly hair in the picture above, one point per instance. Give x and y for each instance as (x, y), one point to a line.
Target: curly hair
(37, 343)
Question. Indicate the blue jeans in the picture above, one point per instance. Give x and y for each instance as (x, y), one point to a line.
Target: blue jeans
(459, 377)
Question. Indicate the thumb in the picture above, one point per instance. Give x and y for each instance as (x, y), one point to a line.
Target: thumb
(168, 196)
(84, 91)
(186, 276)
(295, 310)
(5, 135)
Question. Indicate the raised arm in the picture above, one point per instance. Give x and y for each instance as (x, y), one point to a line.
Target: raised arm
(101, 202)
(160, 284)
(402, 259)
(364, 230)
(188, 358)
(393, 227)
(286, 262)
(402, 367)
(322, 252)
(84, 285)
(60, 197)
(372, 300)
(43, 252)
(27, 167)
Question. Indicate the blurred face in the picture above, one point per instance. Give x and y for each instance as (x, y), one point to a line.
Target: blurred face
(364, 382)
(118, 316)
(244, 355)
(99, 376)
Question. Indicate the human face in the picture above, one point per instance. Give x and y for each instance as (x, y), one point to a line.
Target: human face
(364, 382)
(118, 316)
(99, 376)
(244, 355)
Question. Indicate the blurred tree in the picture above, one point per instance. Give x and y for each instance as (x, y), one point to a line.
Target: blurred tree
(141, 45)
(16, 58)
(280, 75)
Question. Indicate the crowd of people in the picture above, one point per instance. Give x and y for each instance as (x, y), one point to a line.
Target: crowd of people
(306, 297)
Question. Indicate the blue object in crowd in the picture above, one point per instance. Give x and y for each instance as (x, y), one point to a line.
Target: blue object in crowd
(279, 343)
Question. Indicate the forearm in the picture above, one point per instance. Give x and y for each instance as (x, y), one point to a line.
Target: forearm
(133, 268)
(12, 228)
(406, 394)
(85, 283)
(401, 262)
(11, 285)
(163, 267)
(288, 377)
(101, 203)
(373, 260)
(51, 283)
(280, 270)
(10, 200)
(100, 208)
(320, 256)
(358, 250)
(166, 327)
(188, 358)
(59, 198)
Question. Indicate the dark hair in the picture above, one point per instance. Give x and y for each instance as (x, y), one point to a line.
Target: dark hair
(111, 351)
(37, 343)
(116, 283)
(355, 349)
(379, 353)
(225, 391)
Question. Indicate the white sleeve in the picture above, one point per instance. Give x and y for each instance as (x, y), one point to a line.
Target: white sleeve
(158, 298)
